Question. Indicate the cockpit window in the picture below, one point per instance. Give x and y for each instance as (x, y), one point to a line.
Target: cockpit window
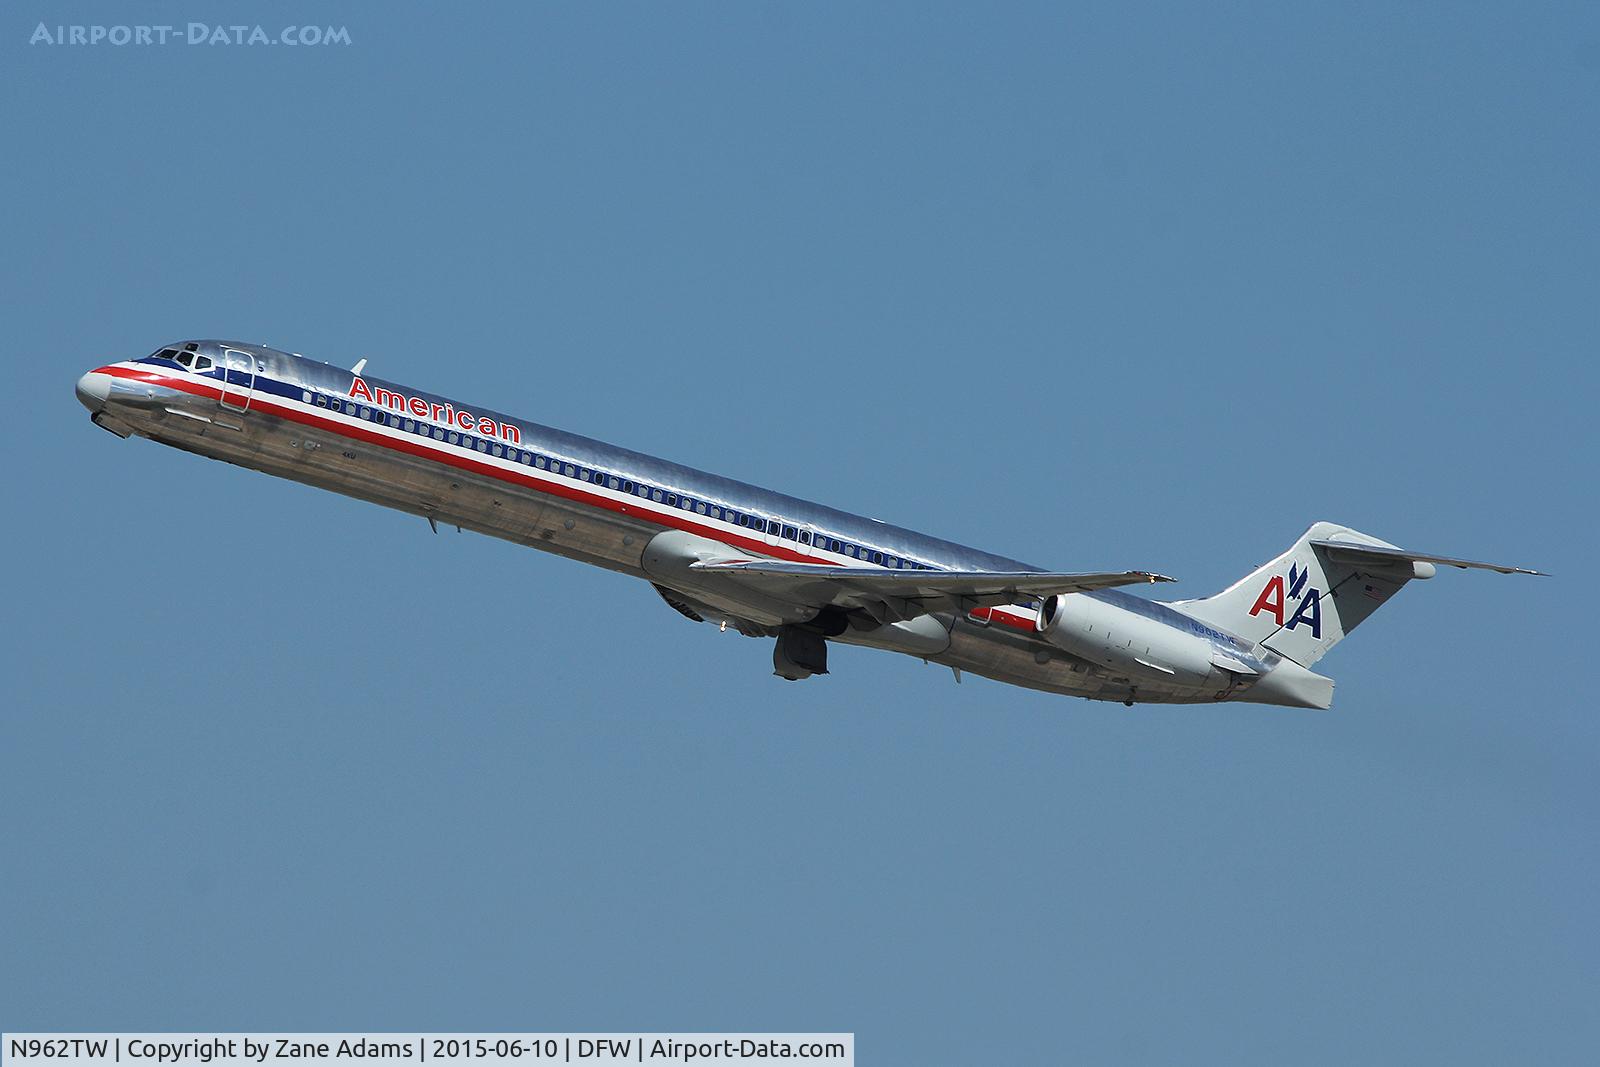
(202, 363)
(186, 358)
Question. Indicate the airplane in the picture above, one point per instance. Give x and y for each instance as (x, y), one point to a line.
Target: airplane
(766, 564)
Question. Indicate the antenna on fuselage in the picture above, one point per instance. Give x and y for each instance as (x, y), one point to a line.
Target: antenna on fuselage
(361, 365)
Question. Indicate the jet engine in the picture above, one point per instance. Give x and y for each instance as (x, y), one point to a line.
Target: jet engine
(1125, 642)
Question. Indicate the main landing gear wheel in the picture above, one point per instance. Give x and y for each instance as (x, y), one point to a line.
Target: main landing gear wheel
(799, 654)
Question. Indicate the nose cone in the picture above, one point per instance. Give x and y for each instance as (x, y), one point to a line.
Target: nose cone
(93, 389)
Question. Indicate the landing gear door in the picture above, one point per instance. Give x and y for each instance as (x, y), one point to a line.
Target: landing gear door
(238, 379)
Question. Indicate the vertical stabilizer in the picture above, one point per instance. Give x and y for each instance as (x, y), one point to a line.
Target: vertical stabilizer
(1303, 602)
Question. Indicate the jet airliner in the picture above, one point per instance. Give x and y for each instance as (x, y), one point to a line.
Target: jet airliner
(769, 565)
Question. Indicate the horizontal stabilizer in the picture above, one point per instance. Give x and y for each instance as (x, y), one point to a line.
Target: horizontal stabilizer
(1352, 552)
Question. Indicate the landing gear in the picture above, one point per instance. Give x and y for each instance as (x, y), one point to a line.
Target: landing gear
(799, 654)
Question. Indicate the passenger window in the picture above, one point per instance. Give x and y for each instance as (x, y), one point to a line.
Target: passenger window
(789, 532)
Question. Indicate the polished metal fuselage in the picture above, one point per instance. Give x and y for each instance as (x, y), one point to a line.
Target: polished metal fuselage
(252, 425)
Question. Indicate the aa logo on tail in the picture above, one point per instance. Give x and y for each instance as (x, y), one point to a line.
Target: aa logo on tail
(1273, 597)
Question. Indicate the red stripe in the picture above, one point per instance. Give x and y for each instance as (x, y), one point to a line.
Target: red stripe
(1003, 617)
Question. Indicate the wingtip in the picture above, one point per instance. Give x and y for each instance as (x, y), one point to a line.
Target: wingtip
(1509, 570)
(1152, 577)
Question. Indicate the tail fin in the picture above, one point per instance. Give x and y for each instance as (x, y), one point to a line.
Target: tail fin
(1305, 601)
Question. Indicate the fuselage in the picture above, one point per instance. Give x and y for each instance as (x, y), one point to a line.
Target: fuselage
(467, 466)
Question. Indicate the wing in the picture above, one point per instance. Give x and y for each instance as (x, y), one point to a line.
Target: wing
(897, 595)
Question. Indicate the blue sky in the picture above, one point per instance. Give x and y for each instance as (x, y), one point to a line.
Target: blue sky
(1116, 286)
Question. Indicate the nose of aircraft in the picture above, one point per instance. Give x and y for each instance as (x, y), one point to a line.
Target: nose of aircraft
(93, 389)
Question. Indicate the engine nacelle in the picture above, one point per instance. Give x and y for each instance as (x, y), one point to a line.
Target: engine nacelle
(1126, 642)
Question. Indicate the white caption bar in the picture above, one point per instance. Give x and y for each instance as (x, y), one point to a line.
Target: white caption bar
(409, 1050)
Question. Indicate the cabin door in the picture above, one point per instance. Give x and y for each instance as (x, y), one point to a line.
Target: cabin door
(238, 379)
(808, 537)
